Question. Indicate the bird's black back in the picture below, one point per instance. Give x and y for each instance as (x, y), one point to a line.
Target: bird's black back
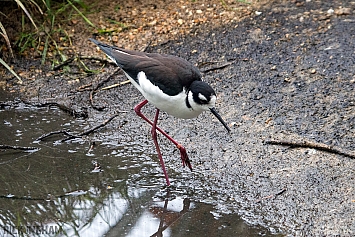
(170, 73)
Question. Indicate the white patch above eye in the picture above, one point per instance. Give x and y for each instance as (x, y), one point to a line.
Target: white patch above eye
(202, 97)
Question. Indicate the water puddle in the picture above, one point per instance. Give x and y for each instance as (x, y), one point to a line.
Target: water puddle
(76, 189)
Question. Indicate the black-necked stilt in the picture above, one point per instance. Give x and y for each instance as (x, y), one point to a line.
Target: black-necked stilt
(169, 83)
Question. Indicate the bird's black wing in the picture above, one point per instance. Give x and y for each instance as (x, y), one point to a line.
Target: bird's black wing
(171, 74)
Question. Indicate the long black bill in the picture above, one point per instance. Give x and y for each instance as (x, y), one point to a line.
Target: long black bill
(213, 110)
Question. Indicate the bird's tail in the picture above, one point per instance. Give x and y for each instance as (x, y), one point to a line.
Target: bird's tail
(107, 49)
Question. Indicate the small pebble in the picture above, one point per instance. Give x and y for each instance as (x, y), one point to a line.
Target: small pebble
(115, 38)
(343, 11)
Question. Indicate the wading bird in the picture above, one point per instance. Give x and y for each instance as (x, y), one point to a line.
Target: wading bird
(170, 83)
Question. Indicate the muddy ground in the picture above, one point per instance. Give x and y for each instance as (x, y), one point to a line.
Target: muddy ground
(288, 76)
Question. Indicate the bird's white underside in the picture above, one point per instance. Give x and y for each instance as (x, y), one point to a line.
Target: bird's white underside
(173, 105)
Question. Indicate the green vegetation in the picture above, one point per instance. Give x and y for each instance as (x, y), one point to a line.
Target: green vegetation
(46, 34)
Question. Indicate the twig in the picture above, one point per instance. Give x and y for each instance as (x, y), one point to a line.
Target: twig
(69, 60)
(206, 63)
(317, 146)
(93, 91)
(13, 197)
(91, 96)
(103, 60)
(100, 125)
(116, 85)
(76, 114)
(91, 147)
(146, 46)
(86, 87)
(22, 148)
(106, 80)
(271, 196)
(28, 198)
(66, 62)
(217, 67)
(5, 104)
(44, 136)
(87, 132)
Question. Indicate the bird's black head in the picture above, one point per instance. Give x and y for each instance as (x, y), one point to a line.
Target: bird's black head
(203, 94)
(202, 97)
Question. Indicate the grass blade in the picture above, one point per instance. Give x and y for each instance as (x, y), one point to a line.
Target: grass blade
(12, 71)
(81, 14)
(45, 49)
(27, 13)
(38, 7)
(4, 34)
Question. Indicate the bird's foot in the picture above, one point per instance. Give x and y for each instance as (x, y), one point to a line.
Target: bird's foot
(184, 157)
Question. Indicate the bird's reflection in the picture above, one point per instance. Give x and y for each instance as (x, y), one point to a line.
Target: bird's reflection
(168, 216)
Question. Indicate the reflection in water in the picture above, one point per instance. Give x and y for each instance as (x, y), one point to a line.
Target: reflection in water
(150, 221)
(91, 219)
(79, 189)
(169, 215)
(62, 189)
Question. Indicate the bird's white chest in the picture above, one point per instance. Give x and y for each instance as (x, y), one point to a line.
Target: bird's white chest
(173, 105)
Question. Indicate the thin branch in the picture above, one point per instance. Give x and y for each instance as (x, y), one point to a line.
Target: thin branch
(5, 104)
(106, 80)
(44, 136)
(217, 67)
(10, 70)
(86, 87)
(116, 85)
(312, 145)
(13, 197)
(103, 60)
(69, 60)
(272, 195)
(93, 91)
(22, 148)
(49, 197)
(64, 108)
(146, 46)
(85, 133)
(101, 125)
(66, 62)
(91, 99)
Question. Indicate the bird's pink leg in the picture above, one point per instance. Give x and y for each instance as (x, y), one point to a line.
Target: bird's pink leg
(184, 157)
(154, 135)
